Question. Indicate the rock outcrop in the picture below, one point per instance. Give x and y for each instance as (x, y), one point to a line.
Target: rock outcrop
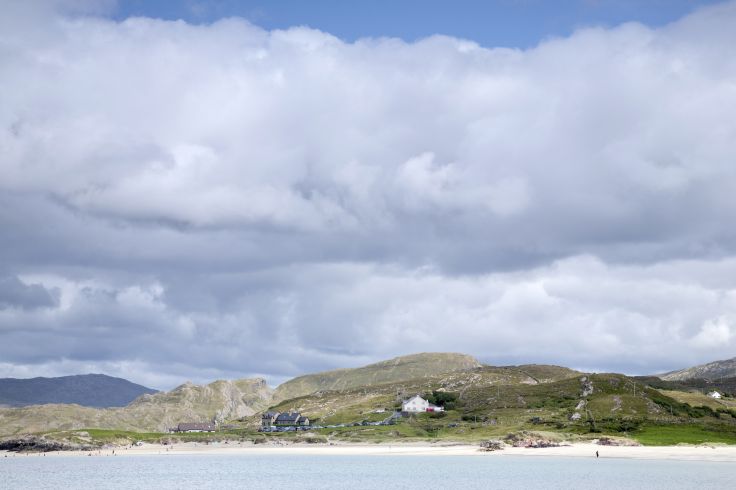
(214, 402)
(710, 371)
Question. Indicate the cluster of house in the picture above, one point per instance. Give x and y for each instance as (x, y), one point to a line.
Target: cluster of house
(271, 421)
(284, 419)
(417, 404)
(194, 427)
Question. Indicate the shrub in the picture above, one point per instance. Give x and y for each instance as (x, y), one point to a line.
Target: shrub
(442, 399)
(473, 418)
(619, 425)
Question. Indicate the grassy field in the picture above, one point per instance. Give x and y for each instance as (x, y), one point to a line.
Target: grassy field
(697, 399)
(101, 437)
(668, 435)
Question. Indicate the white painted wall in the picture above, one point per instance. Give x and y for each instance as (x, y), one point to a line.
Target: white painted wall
(415, 404)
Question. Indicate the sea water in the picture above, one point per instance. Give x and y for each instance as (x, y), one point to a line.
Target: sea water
(358, 472)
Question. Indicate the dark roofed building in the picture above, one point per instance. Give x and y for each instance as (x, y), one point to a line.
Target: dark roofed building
(291, 418)
(287, 418)
(196, 427)
(268, 419)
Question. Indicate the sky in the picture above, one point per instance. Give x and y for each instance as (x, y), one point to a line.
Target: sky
(210, 190)
(490, 23)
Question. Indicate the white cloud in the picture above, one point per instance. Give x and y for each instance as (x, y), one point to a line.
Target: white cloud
(577, 311)
(221, 183)
(422, 182)
(714, 333)
(146, 118)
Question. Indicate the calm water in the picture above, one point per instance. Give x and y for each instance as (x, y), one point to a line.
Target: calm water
(358, 472)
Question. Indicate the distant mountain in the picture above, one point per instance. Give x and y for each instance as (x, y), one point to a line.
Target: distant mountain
(711, 371)
(398, 369)
(89, 390)
(218, 401)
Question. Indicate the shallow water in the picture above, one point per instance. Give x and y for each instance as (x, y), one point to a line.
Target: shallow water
(358, 472)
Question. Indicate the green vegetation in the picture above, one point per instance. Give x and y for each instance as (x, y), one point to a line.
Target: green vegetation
(724, 385)
(697, 399)
(442, 398)
(490, 402)
(668, 435)
(106, 435)
(481, 402)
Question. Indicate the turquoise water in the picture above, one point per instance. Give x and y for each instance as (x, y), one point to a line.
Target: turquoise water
(358, 472)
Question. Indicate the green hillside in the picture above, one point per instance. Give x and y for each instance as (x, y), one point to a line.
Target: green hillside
(494, 402)
(478, 386)
(482, 402)
(398, 369)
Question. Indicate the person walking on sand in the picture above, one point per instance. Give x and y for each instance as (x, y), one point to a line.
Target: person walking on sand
(596, 454)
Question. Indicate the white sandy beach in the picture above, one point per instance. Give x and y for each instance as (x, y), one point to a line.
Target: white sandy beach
(578, 450)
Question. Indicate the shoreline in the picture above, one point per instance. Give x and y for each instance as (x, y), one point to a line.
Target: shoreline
(710, 453)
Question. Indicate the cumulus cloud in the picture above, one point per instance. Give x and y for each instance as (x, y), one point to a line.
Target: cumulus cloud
(577, 311)
(715, 333)
(246, 201)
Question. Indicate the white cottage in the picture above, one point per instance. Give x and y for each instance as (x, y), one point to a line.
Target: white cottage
(714, 394)
(415, 404)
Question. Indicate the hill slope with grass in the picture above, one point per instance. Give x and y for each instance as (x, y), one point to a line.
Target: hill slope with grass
(527, 402)
(90, 390)
(492, 402)
(481, 386)
(397, 369)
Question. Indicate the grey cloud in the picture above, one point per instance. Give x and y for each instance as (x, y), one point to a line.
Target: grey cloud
(220, 200)
(16, 294)
(580, 311)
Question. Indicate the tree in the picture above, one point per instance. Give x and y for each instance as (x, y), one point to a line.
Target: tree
(442, 398)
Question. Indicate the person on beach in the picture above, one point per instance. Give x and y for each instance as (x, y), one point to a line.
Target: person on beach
(596, 454)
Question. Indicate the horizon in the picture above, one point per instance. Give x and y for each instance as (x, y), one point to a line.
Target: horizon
(273, 385)
(223, 190)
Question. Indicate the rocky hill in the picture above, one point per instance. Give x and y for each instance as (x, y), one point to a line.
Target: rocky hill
(359, 404)
(398, 369)
(710, 371)
(90, 390)
(481, 386)
(219, 401)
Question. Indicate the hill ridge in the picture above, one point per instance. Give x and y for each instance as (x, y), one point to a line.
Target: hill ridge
(218, 401)
(90, 390)
(399, 368)
(710, 371)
